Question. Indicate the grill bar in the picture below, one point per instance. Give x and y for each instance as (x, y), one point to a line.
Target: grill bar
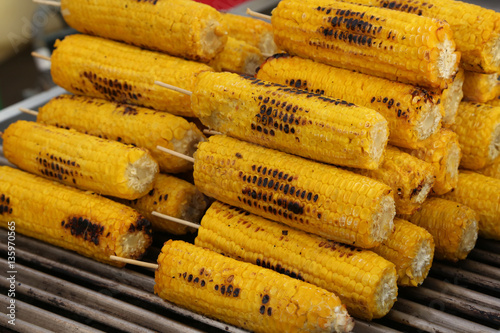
(477, 311)
(465, 277)
(467, 294)
(417, 322)
(441, 318)
(30, 319)
(484, 256)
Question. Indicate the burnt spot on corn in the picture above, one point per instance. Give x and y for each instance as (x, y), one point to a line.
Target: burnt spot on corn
(129, 111)
(5, 205)
(84, 228)
(58, 168)
(111, 89)
(141, 224)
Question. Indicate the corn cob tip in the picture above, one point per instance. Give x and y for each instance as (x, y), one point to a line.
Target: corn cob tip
(494, 148)
(448, 58)
(419, 268)
(142, 173)
(384, 219)
(138, 238)
(451, 98)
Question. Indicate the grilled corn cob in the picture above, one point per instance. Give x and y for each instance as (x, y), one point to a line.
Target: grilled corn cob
(442, 150)
(245, 295)
(481, 88)
(178, 27)
(73, 158)
(453, 226)
(478, 129)
(174, 197)
(412, 113)
(375, 41)
(480, 193)
(96, 67)
(253, 31)
(310, 196)
(476, 30)
(451, 98)
(87, 223)
(129, 124)
(294, 121)
(492, 170)
(411, 179)
(411, 249)
(365, 282)
(238, 57)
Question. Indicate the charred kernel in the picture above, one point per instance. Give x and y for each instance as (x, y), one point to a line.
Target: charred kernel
(216, 287)
(269, 311)
(265, 299)
(229, 290)
(196, 280)
(262, 309)
(284, 232)
(223, 290)
(202, 283)
(236, 292)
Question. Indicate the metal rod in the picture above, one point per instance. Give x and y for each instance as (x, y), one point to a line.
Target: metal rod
(485, 256)
(416, 322)
(30, 318)
(48, 2)
(480, 268)
(456, 290)
(464, 276)
(446, 302)
(439, 317)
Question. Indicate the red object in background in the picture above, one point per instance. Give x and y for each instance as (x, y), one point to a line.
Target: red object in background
(223, 4)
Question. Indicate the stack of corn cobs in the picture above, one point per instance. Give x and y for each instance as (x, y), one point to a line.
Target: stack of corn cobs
(366, 148)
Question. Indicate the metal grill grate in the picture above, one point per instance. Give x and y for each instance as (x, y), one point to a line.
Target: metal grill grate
(61, 291)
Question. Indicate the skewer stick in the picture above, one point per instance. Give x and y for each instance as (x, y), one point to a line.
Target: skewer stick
(134, 262)
(173, 152)
(211, 132)
(176, 220)
(48, 2)
(174, 88)
(258, 15)
(40, 56)
(28, 111)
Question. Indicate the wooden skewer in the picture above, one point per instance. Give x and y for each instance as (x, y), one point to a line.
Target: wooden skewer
(173, 152)
(134, 262)
(28, 111)
(258, 15)
(174, 88)
(267, 55)
(176, 220)
(40, 56)
(211, 132)
(48, 2)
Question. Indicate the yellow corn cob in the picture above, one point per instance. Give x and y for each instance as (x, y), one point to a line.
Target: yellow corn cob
(245, 295)
(128, 124)
(181, 28)
(495, 101)
(365, 282)
(412, 113)
(310, 196)
(442, 150)
(174, 197)
(73, 158)
(481, 88)
(239, 57)
(87, 223)
(410, 178)
(376, 41)
(492, 170)
(93, 66)
(453, 226)
(253, 31)
(478, 129)
(411, 249)
(451, 98)
(480, 193)
(291, 120)
(476, 30)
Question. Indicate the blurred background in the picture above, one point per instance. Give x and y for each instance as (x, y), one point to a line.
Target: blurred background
(26, 27)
